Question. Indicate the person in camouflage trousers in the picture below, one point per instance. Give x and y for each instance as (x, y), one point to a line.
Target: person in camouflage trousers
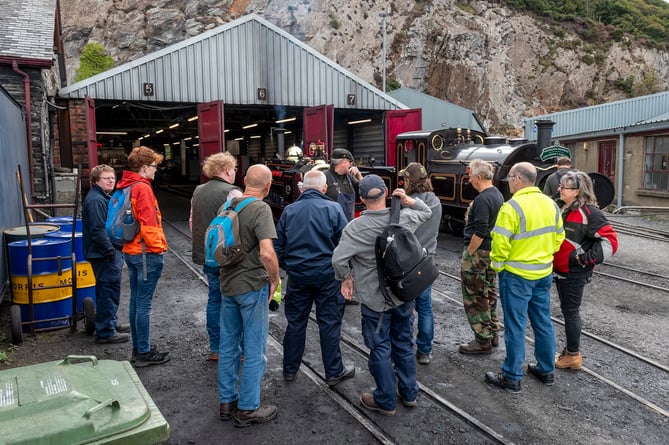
(478, 278)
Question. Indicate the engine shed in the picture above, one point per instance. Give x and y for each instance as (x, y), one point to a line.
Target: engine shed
(248, 87)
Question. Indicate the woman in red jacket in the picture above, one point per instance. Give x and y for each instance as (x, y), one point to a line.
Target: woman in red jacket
(590, 240)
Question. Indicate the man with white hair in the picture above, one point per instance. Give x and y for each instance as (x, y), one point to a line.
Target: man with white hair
(307, 233)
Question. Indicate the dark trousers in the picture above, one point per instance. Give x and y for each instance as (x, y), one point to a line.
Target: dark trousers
(570, 291)
(329, 313)
(107, 293)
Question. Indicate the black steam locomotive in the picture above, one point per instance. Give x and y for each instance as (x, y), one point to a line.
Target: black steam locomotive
(446, 154)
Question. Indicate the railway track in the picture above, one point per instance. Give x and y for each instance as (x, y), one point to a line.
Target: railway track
(440, 389)
(451, 413)
(653, 367)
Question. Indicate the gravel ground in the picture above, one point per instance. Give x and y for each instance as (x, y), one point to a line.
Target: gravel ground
(578, 409)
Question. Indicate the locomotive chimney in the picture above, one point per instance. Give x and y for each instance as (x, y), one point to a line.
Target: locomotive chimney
(544, 133)
(280, 141)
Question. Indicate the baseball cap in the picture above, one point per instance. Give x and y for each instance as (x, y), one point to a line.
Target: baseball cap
(372, 187)
(414, 170)
(342, 153)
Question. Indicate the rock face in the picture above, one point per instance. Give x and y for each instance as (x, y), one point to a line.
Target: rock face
(480, 55)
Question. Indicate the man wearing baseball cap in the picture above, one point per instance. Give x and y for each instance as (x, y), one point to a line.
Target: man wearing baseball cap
(342, 180)
(387, 330)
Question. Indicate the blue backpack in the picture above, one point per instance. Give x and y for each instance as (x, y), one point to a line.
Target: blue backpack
(222, 243)
(121, 224)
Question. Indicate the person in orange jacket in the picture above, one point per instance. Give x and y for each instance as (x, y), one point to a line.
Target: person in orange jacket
(144, 254)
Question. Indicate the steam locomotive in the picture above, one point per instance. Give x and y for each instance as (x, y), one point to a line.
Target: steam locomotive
(446, 154)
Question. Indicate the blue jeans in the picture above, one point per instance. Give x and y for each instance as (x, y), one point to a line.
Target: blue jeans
(141, 297)
(425, 321)
(329, 313)
(243, 316)
(392, 344)
(520, 298)
(107, 293)
(213, 306)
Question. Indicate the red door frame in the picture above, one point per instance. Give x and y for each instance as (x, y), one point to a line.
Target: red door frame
(400, 121)
(211, 128)
(91, 133)
(607, 159)
(318, 128)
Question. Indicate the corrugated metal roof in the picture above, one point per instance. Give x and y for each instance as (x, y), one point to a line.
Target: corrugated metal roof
(27, 28)
(437, 113)
(230, 63)
(604, 117)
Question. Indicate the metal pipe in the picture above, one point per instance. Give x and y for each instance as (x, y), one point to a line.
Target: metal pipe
(621, 169)
(26, 87)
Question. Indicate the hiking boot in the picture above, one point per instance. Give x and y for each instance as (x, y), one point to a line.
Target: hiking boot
(569, 360)
(116, 338)
(405, 402)
(547, 378)
(423, 359)
(347, 373)
(153, 357)
(123, 328)
(495, 341)
(288, 377)
(263, 414)
(227, 410)
(474, 347)
(367, 401)
(501, 381)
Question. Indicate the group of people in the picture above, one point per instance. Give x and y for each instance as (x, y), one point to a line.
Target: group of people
(143, 255)
(329, 258)
(529, 242)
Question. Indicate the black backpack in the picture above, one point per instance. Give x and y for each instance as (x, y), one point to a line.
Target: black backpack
(404, 266)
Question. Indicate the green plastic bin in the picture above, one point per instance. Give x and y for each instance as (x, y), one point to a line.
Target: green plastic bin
(78, 400)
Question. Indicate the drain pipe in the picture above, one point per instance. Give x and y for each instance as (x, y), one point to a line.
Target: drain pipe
(26, 87)
(621, 168)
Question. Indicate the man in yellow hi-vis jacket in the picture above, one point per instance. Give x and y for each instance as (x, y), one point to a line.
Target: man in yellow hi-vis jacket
(527, 233)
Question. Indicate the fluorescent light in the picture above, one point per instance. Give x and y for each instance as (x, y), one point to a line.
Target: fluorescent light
(159, 131)
(287, 132)
(361, 121)
(174, 125)
(140, 138)
(194, 118)
(257, 136)
(112, 132)
(147, 135)
(246, 127)
(196, 145)
(176, 143)
(239, 139)
(226, 130)
(283, 121)
(188, 138)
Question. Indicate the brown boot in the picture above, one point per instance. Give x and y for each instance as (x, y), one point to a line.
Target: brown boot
(569, 360)
(474, 347)
(495, 340)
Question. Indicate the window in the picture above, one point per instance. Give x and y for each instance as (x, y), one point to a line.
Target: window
(656, 165)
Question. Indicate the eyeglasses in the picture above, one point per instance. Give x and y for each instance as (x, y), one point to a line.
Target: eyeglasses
(153, 165)
(566, 188)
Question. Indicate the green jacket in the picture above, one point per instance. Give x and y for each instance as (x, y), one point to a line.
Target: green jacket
(527, 233)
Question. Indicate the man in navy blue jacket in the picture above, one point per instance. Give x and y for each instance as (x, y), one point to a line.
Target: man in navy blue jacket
(307, 233)
(105, 258)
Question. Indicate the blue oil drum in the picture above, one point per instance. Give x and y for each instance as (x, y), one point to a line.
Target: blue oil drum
(85, 284)
(65, 223)
(47, 303)
(41, 248)
(78, 241)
